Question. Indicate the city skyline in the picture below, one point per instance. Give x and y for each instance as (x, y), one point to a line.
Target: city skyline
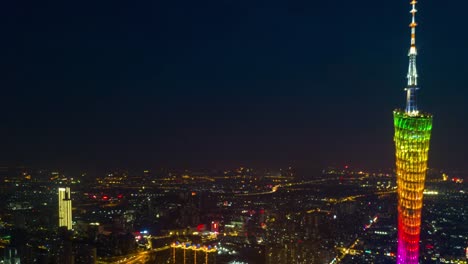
(223, 84)
(233, 132)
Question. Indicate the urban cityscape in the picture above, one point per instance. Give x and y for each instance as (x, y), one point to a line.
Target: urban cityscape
(240, 215)
(225, 190)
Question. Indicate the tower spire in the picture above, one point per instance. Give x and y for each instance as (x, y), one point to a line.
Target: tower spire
(411, 107)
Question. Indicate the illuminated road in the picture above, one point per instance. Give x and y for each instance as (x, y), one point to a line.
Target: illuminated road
(273, 190)
(354, 197)
(141, 258)
(276, 187)
(137, 258)
(342, 200)
(346, 251)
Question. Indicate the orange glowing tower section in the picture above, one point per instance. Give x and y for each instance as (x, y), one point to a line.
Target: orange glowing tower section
(412, 136)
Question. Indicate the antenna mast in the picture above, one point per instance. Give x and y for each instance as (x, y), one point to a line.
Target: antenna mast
(411, 107)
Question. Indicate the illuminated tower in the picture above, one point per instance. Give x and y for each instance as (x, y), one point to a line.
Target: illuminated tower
(412, 135)
(65, 208)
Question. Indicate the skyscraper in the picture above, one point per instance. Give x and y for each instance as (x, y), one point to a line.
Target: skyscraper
(65, 208)
(412, 135)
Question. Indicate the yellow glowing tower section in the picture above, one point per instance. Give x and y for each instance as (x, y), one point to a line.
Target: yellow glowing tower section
(65, 208)
(412, 136)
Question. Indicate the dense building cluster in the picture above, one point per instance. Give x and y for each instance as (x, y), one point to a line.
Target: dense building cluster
(232, 216)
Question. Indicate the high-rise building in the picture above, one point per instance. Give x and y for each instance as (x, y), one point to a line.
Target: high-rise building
(412, 135)
(65, 208)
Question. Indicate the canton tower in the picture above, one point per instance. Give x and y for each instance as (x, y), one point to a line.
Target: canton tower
(412, 135)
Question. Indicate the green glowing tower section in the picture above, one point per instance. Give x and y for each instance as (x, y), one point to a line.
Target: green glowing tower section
(412, 136)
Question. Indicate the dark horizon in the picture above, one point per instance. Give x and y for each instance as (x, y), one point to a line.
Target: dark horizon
(225, 84)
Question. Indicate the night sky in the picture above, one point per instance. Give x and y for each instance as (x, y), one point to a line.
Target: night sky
(220, 83)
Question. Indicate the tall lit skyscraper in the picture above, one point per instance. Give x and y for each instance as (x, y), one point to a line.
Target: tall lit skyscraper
(65, 208)
(412, 135)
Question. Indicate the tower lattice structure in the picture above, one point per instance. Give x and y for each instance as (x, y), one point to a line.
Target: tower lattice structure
(412, 136)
